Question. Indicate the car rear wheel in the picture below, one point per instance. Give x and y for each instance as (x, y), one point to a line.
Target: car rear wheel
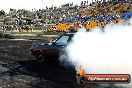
(80, 79)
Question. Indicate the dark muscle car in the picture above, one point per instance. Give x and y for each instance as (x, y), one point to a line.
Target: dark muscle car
(52, 50)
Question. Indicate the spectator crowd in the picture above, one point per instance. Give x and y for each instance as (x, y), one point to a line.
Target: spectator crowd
(69, 16)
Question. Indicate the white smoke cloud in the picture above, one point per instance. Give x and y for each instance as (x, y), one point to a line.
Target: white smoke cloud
(108, 52)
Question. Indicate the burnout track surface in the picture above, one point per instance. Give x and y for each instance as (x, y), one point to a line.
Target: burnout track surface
(19, 70)
(36, 75)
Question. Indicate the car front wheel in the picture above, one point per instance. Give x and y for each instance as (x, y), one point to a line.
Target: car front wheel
(40, 58)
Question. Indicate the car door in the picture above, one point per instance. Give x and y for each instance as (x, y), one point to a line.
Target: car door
(57, 46)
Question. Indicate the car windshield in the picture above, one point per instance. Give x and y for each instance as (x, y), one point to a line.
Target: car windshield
(62, 40)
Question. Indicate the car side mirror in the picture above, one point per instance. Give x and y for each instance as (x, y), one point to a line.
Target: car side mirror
(53, 43)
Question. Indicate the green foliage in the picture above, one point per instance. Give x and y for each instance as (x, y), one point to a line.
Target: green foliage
(24, 11)
(2, 12)
(39, 35)
(6, 20)
(12, 11)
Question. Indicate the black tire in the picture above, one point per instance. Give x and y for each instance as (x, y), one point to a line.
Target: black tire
(80, 80)
(40, 58)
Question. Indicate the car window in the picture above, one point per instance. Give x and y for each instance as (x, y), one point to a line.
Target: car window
(63, 40)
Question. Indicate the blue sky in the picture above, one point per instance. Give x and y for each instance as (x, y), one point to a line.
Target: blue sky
(30, 4)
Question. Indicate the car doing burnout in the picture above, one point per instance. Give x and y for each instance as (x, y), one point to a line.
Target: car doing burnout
(52, 50)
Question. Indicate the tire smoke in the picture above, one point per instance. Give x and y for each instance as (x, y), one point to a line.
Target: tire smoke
(103, 52)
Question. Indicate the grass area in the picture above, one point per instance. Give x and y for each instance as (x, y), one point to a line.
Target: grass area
(33, 35)
(25, 31)
(22, 35)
